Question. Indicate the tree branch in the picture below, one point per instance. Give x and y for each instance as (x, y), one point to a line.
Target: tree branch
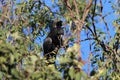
(104, 20)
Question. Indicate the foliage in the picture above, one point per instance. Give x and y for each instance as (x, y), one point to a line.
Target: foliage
(19, 55)
(21, 23)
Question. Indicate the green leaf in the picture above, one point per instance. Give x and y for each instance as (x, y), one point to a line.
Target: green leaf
(11, 58)
(33, 59)
(2, 59)
(16, 73)
(1, 75)
(72, 72)
(78, 76)
(64, 60)
(83, 75)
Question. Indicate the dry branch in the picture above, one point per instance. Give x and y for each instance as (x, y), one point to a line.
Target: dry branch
(80, 23)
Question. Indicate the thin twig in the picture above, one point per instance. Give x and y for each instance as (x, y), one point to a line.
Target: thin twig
(76, 9)
(67, 4)
(104, 20)
(93, 12)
